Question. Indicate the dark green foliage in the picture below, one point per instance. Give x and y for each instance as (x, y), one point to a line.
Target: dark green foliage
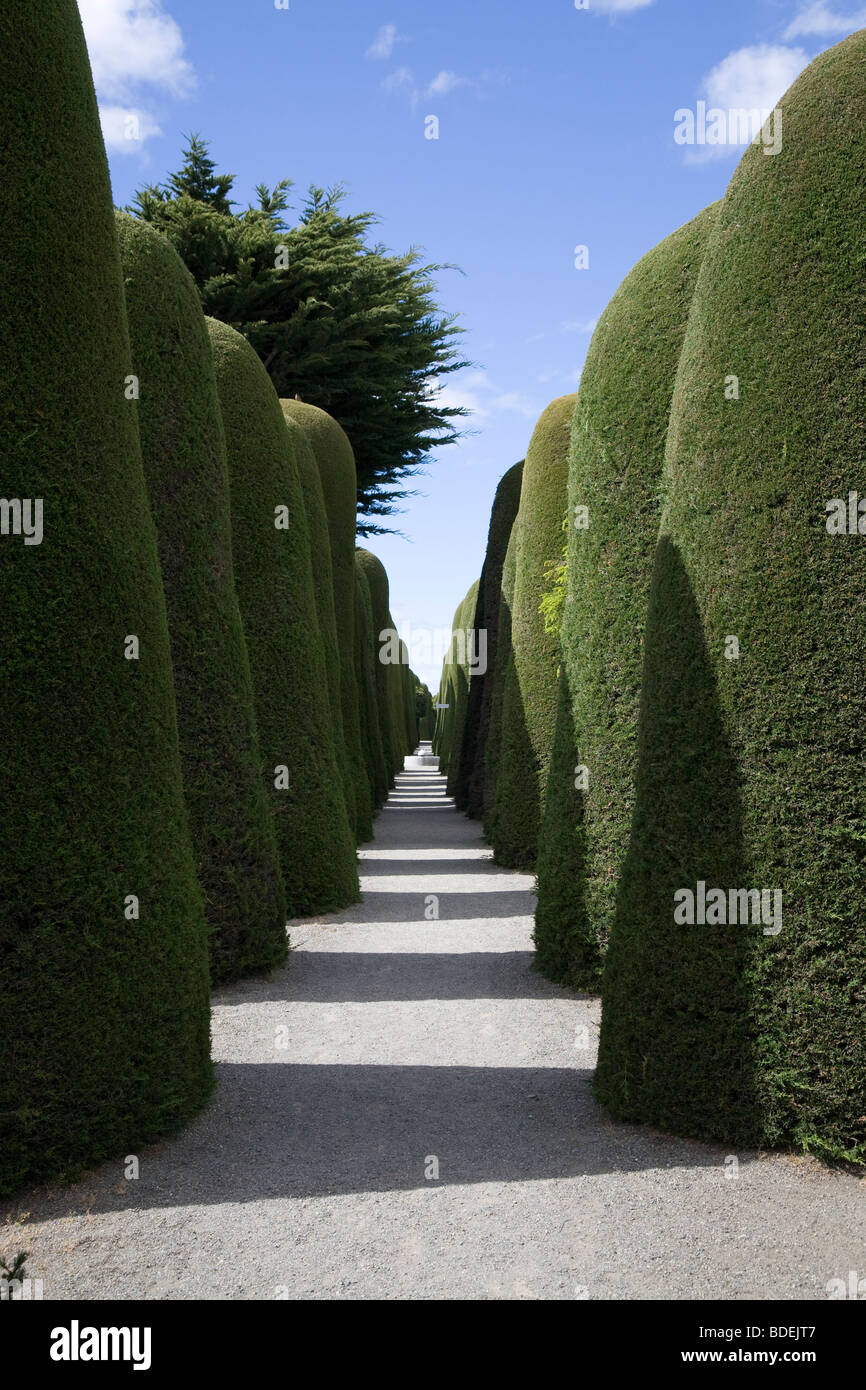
(460, 676)
(323, 587)
(409, 680)
(389, 681)
(615, 466)
(336, 465)
(183, 450)
(501, 668)
(469, 790)
(366, 649)
(454, 689)
(274, 579)
(344, 324)
(424, 712)
(529, 694)
(105, 1019)
(751, 770)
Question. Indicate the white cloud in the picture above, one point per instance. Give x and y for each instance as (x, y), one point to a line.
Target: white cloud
(745, 88)
(754, 77)
(818, 18)
(133, 44)
(125, 128)
(618, 6)
(445, 82)
(477, 393)
(383, 44)
(518, 402)
(401, 77)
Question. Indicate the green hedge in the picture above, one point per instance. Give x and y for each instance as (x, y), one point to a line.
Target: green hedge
(615, 465)
(529, 695)
(500, 676)
(389, 681)
(323, 586)
(183, 449)
(751, 771)
(274, 578)
(469, 792)
(336, 464)
(459, 674)
(105, 1015)
(366, 649)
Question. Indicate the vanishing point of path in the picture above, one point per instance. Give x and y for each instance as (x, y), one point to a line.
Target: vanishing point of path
(393, 1046)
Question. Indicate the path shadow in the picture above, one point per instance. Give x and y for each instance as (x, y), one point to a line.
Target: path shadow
(363, 977)
(280, 1130)
(674, 1049)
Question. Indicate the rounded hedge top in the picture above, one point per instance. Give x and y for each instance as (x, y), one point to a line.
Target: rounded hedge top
(751, 771)
(530, 694)
(183, 449)
(615, 465)
(275, 589)
(336, 464)
(105, 1018)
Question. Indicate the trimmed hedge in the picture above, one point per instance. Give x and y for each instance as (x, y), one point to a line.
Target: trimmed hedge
(504, 663)
(274, 578)
(615, 465)
(469, 792)
(105, 1015)
(183, 450)
(454, 686)
(323, 588)
(366, 649)
(751, 769)
(460, 677)
(529, 695)
(388, 677)
(336, 463)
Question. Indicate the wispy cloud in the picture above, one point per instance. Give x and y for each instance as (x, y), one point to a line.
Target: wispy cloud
(442, 85)
(133, 44)
(477, 393)
(819, 19)
(384, 43)
(579, 326)
(618, 6)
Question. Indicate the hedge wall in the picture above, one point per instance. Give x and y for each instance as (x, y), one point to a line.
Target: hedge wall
(530, 691)
(274, 578)
(469, 792)
(183, 449)
(336, 463)
(751, 766)
(615, 465)
(103, 943)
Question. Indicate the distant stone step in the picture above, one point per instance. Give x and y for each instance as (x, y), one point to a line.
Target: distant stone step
(417, 762)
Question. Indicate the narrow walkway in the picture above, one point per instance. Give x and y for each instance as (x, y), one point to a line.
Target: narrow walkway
(399, 1045)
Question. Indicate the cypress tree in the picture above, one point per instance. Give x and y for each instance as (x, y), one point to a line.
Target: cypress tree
(752, 745)
(103, 943)
(323, 587)
(183, 450)
(529, 696)
(274, 576)
(615, 466)
(336, 464)
(469, 792)
(366, 651)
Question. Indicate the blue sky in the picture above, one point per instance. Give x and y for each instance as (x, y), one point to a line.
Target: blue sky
(556, 130)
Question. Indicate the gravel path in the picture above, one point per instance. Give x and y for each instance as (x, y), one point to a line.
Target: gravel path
(397, 1045)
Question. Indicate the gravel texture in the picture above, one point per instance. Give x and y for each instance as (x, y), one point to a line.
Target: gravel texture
(394, 1042)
